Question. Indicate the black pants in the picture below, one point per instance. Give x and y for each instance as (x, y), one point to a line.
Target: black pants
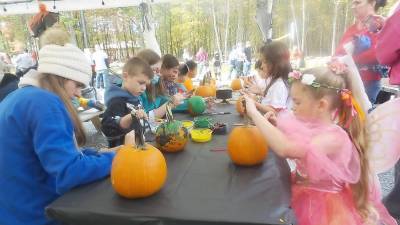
(392, 200)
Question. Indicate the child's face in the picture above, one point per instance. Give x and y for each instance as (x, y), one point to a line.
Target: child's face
(156, 67)
(261, 73)
(73, 88)
(265, 67)
(305, 106)
(192, 73)
(135, 84)
(170, 74)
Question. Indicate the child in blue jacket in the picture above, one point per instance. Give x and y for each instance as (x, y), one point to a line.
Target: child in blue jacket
(123, 102)
(40, 136)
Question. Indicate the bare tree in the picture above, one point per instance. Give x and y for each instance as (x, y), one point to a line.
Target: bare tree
(216, 31)
(295, 23)
(264, 18)
(303, 27)
(335, 15)
(84, 30)
(227, 28)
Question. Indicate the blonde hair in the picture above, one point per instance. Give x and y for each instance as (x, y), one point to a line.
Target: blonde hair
(55, 84)
(55, 35)
(356, 130)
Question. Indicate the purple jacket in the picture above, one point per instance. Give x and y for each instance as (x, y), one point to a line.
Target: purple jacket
(388, 47)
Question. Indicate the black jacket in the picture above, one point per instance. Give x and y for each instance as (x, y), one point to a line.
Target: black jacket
(117, 101)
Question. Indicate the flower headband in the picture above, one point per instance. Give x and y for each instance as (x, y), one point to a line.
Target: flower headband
(345, 94)
(306, 79)
(337, 67)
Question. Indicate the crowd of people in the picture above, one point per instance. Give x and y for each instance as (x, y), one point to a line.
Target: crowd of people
(302, 114)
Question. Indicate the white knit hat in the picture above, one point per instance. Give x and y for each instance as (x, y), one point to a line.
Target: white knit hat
(66, 61)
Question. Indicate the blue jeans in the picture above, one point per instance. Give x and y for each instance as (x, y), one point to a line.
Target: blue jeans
(372, 88)
(102, 80)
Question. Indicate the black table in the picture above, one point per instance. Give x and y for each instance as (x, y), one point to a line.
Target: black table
(203, 187)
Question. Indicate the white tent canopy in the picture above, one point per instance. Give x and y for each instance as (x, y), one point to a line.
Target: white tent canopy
(13, 7)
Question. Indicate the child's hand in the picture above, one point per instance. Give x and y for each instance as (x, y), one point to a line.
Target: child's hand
(250, 105)
(189, 93)
(130, 138)
(139, 113)
(254, 89)
(177, 99)
(271, 117)
(249, 94)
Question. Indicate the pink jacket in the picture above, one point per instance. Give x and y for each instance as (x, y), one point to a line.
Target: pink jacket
(388, 47)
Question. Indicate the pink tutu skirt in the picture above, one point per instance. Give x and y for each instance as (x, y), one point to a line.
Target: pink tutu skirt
(313, 207)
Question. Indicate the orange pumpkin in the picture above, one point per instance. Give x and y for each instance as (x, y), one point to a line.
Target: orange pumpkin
(205, 91)
(138, 172)
(240, 107)
(247, 146)
(236, 84)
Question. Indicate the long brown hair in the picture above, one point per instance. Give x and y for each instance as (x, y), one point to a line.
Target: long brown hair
(276, 54)
(356, 130)
(55, 84)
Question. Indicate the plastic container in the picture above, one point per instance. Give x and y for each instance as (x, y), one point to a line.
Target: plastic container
(201, 135)
(188, 124)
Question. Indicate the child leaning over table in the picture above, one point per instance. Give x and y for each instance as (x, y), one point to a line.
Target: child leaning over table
(119, 118)
(331, 182)
(154, 100)
(275, 67)
(165, 90)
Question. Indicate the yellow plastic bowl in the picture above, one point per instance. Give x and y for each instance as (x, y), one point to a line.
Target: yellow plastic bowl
(201, 135)
(188, 124)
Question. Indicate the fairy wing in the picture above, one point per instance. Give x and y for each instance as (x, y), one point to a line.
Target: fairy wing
(357, 85)
(383, 131)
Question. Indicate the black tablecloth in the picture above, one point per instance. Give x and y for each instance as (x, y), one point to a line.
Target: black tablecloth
(203, 187)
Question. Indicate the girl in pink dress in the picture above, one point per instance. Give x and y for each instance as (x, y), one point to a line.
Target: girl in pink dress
(325, 136)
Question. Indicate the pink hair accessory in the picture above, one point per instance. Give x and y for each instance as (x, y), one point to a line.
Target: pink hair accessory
(295, 75)
(337, 67)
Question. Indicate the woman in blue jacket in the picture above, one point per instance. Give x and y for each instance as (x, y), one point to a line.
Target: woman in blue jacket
(40, 136)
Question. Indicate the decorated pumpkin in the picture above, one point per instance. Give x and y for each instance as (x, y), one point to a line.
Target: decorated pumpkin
(138, 172)
(205, 91)
(236, 84)
(247, 146)
(171, 136)
(197, 105)
(240, 107)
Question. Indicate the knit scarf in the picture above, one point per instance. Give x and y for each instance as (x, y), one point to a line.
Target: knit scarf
(31, 78)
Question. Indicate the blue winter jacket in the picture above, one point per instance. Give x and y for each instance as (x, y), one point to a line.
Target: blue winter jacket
(39, 160)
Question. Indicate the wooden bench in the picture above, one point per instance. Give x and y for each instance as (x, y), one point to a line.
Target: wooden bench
(92, 115)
